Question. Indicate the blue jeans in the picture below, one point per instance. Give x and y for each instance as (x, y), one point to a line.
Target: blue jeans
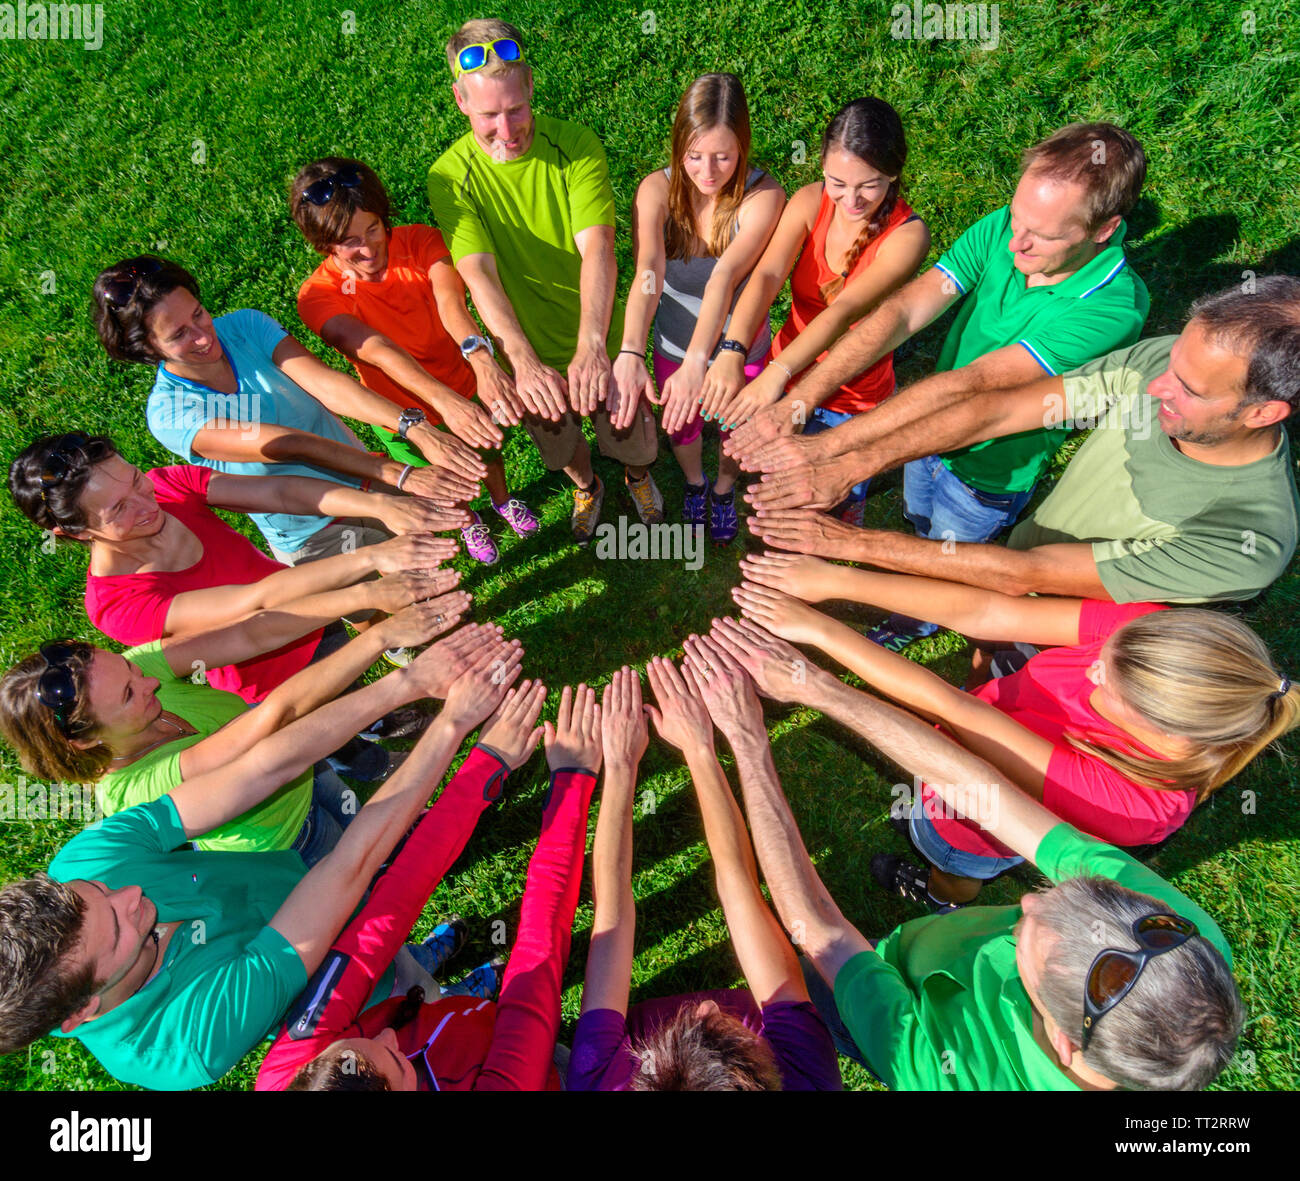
(942, 507)
(944, 857)
(333, 805)
(823, 420)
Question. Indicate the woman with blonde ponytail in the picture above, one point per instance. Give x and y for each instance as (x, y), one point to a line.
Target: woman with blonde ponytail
(846, 242)
(1131, 716)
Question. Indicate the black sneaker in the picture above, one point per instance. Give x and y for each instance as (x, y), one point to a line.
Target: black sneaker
(909, 882)
(406, 722)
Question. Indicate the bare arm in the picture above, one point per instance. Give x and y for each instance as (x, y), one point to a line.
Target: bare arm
(630, 379)
(589, 371)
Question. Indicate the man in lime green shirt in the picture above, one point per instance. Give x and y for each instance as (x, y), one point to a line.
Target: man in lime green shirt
(526, 208)
(1184, 492)
(170, 965)
(1059, 993)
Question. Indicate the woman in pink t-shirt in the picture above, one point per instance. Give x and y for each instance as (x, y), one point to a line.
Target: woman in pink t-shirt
(1132, 715)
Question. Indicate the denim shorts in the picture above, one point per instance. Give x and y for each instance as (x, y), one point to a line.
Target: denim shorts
(944, 856)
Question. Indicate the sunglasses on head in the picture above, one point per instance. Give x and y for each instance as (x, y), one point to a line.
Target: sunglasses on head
(474, 57)
(56, 689)
(321, 192)
(67, 455)
(1113, 973)
(120, 290)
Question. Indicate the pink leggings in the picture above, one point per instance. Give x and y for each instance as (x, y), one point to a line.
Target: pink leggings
(664, 369)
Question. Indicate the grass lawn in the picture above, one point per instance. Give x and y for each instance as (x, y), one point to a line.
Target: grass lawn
(180, 136)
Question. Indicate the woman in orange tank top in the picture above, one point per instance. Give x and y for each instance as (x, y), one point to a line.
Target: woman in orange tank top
(850, 241)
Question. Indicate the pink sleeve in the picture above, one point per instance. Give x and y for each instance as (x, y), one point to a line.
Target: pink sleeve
(127, 608)
(340, 987)
(1100, 802)
(181, 481)
(528, 1013)
(1099, 617)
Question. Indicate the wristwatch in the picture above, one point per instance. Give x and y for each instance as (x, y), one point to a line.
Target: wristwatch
(734, 346)
(471, 344)
(407, 419)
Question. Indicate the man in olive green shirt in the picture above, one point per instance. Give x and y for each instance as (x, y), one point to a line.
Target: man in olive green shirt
(1183, 493)
(991, 997)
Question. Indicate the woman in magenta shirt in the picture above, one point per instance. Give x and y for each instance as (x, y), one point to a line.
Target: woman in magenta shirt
(1132, 716)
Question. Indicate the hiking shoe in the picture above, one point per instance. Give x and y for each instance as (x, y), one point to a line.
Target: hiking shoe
(695, 504)
(478, 542)
(365, 762)
(723, 522)
(586, 511)
(893, 638)
(909, 882)
(400, 657)
(518, 516)
(400, 723)
(648, 499)
(437, 950)
(484, 982)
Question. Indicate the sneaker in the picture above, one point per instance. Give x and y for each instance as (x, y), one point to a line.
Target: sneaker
(893, 638)
(648, 499)
(400, 657)
(695, 504)
(586, 511)
(478, 542)
(400, 723)
(484, 982)
(723, 522)
(395, 759)
(365, 762)
(852, 513)
(437, 950)
(908, 881)
(518, 516)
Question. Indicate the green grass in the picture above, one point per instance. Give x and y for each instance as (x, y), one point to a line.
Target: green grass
(99, 149)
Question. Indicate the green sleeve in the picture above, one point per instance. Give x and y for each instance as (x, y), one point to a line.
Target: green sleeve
(109, 844)
(1066, 853)
(1086, 329)
(586, 176)
(964, 261)
(1117, 380)
(880, 1012)
(454, 210)
(149, 659)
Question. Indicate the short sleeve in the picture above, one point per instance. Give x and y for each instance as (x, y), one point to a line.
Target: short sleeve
(1213, 560)
(1098, 618)
(1094, 797)
(463, 230)
(181, 482)
(175, 413)
(260, 331)
(130, 609)
(427, 246)
(803, 1047)
(150, 660)
(1082, 331)
(319, 302)
(1116, 380)
(1066, 853)
(964, 261)
(148, 828)
(602, 1058)
(591, 196)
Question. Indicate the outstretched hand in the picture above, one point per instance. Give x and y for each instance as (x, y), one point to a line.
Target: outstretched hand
(724, 687)
(512, 732)
(681, 718)
(778, 670)
(573, 739)
(624, 734)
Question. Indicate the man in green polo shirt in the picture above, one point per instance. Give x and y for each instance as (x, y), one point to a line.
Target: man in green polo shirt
(169, 965)
(1184, 492)
(994, 997)
(525, 205)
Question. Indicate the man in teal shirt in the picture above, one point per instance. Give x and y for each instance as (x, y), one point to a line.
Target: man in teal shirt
(170, 966)
(1110, 979)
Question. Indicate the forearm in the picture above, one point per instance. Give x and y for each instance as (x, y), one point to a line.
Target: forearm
(963, 608)
(735, 870)
(271, 629)
(755, 301)
(499, 317)
(596, 287)
(408, 373)
(856, 352)
(826, 328)
(713, 314)
(317, 451)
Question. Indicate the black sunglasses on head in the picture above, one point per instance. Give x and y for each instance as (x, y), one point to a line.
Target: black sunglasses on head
(56, 689)
(321, 192)
(120, 290)
(1113, 973)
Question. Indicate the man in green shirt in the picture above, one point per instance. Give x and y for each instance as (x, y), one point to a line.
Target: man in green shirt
(525, 205)
(169, 965)
(1062, 992)
(1183, 493)
(1044, 287)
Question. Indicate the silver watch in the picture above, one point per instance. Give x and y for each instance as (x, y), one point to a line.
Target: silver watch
(471, 344)
(407, 419)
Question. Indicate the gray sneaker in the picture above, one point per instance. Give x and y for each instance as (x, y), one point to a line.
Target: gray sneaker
(648, 499)
(586, 511)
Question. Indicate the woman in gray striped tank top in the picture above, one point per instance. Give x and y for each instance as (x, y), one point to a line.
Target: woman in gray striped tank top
(699, 226)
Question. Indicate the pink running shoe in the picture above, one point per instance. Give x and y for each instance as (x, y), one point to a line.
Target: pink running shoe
(518, 516)
(478, 542)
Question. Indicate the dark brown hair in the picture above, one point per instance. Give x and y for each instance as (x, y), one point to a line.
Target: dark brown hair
(123, 329)
(327, 225)
(40, 923)
(56, 503)
(338, 1070)
(713, 1053)
(1105, 159)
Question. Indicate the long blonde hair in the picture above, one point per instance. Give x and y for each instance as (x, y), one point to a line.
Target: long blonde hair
(1202, 676)
(714, 100)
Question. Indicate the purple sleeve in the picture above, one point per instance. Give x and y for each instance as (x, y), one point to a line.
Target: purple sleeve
(602, 1058)
(804, 1051)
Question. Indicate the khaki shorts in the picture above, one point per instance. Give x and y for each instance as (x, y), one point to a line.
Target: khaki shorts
(558, 441)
